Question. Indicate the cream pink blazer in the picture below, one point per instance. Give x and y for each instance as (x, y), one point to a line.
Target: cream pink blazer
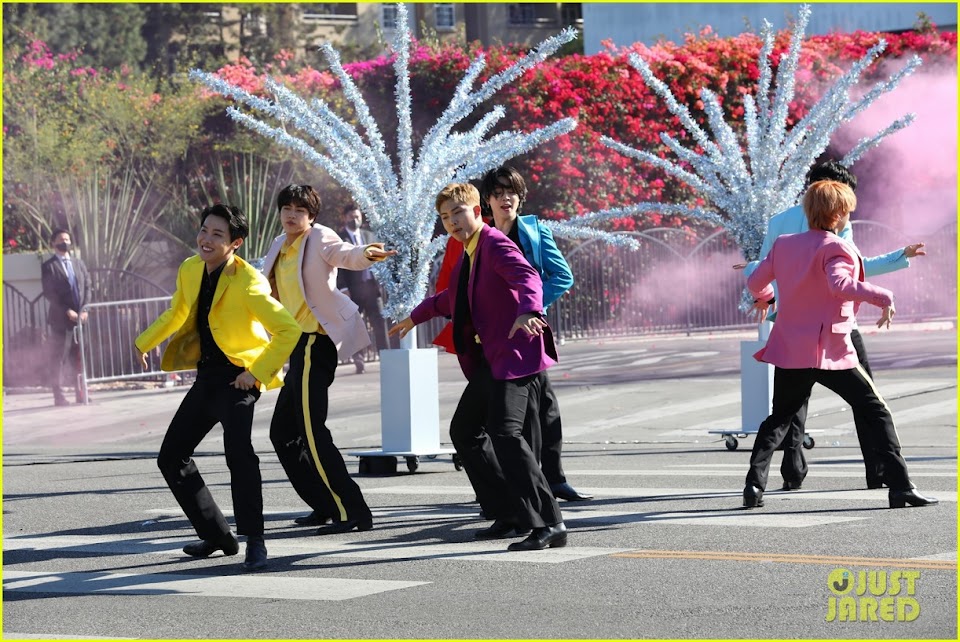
(321, 254)
(820, 279)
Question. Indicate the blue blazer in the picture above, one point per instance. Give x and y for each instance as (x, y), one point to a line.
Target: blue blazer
(794, 221)
(538, 246)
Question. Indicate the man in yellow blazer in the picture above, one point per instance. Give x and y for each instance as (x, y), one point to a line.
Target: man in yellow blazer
(221, 313)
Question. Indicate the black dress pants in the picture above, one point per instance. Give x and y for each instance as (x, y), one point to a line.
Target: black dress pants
(791, 388)
(367, 298)
(543, 430)
(302, 440)
(487, 432)
(212, 399)
(794, 465)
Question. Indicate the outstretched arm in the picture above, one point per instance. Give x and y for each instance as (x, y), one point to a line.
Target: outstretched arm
(840, 268)
(892, 261)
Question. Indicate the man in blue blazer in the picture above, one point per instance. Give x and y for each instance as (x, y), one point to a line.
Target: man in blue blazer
(502, 194)
(794, 221)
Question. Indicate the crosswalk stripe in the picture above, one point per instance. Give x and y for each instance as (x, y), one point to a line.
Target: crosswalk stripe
(919, 414)
(654, 414)
(262, 586)
(715, 471)
(793, 559)
(313, 547)
(685, 493)
(838, 463)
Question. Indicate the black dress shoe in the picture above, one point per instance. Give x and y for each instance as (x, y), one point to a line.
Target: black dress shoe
(346, 527)
(206, 547)
(789, 485)
(569, 493)
(500, 529)
(752, 497)
(256, 557)
(540, 538)
(61, 401)
(874, 483)
(313, 519)
(900, 498)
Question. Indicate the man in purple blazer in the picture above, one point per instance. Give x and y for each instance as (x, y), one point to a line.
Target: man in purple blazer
(504, 346)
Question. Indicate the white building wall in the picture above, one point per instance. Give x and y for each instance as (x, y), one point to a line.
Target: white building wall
(626, 23)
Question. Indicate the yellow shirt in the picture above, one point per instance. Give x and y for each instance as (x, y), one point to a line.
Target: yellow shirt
(471, 246)
(287, 274)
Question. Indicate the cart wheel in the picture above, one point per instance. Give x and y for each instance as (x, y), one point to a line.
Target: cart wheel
(808, 441)
(457, 464)
(431, 456)
(732, 442)
(413, 463)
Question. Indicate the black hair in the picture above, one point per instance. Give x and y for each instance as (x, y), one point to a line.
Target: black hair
(236, 221)
(300, 196)
(831, 171)
(349, 207)
(57, 232)
(503, 176)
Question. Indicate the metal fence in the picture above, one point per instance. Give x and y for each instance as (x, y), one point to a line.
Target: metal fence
(676, 282)
(679, 283)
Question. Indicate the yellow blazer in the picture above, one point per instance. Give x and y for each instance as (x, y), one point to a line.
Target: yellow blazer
(241, 315)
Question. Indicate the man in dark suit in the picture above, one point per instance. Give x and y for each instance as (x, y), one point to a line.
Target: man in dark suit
(360, 285)
(66, 285)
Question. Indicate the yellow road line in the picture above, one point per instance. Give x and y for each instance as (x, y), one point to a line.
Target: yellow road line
(947, 565)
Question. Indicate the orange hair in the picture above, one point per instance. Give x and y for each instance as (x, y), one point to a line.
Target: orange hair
(460, 193)
(826, 202)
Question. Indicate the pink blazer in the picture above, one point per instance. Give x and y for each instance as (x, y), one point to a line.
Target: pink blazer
(820, 278)
(501, 287)
(321, 253)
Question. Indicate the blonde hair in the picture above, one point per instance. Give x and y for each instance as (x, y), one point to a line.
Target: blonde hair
(459, 193)
(826, 202)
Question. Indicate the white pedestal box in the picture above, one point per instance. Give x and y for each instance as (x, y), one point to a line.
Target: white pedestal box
(756, 389)
(409, 407)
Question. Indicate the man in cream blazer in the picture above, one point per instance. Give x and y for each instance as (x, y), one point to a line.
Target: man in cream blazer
(221, 313)
(301, 266)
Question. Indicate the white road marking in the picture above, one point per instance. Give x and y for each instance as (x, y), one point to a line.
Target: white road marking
(258, 586)
(309, 548)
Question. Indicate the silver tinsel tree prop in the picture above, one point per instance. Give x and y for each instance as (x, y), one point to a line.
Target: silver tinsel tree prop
(745, 182)
(399, 208)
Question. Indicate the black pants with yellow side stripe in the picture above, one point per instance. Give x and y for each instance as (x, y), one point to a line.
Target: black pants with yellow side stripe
(302, 440)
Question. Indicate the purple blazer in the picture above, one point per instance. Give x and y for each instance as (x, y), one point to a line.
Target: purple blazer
(502, 287)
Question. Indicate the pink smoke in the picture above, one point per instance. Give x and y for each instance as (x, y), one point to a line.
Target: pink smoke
(909, 181)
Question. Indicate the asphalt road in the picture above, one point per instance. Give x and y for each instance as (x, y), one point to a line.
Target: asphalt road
(92, 536)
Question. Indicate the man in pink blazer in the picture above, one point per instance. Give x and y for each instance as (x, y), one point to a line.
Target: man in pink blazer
(504, 346)
(821, 287)
(302, 269)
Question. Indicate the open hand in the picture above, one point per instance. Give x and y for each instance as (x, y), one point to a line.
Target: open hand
(245, 381)
(375, 252)
(530, 323)
(914, 250)
(887, 317)
(141, 357)
(762, 309)
(402, 328)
